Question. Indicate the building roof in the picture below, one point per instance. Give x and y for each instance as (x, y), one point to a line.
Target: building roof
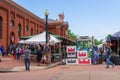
(50, 20)
(11, 2)
(54, 21)
(117, 34)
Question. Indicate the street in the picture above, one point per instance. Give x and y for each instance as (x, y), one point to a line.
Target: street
(67, 72)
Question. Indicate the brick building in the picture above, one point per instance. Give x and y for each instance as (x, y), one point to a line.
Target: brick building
(16, 22)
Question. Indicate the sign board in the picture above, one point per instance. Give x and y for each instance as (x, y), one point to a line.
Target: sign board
(82, 54)
(71, 49)
(72, 55)
(72, 61)
(84, 61)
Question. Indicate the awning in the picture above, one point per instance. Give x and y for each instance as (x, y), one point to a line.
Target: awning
(63, 39)
(25, 37)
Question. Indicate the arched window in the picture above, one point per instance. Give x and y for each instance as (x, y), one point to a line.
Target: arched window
(27, 28)
(12, 23)
(31, 31)
(0, 27)
(12, 37)
(37, 31)
(19, 30)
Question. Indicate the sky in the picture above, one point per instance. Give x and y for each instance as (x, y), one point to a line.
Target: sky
(96, 18)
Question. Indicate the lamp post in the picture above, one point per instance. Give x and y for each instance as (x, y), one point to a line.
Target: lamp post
(46, 26)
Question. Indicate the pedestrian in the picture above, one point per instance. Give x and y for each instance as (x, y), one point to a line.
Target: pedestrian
(18, 52)
(27, 58)
(39, 54)
(21, 53)
(100, 56)
(47, 53)
(0, 56)
(2, 50)
(108, 56)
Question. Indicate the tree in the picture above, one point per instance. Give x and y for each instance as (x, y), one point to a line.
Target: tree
(97, 42)
(109, 35)
(70, 34)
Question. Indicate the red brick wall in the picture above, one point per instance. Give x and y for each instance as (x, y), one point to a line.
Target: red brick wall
(3, 14)
(59, 29)
(10, 12)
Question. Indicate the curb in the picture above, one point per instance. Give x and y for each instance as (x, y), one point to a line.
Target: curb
(50, 66)
(6, 71)
(53, 65)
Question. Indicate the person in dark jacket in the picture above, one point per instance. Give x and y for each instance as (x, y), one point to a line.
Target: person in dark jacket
(39, 54)
(2, 50)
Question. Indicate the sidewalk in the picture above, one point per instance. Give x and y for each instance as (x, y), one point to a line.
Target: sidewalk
(9, 64)
(89, 75)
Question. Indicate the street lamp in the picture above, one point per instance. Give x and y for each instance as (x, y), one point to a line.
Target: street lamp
(46, 28)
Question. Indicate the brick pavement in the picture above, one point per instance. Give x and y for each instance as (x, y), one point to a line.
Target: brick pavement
(9, 63)
(68, 72)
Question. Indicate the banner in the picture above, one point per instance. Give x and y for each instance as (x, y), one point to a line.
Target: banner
(84, 61)
(72, 61)
(82, 54)
(71, 49)
(72, 55)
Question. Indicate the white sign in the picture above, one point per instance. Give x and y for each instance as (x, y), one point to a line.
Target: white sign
(71, 49)
(82, 54)
(72, 61)
(71, 55)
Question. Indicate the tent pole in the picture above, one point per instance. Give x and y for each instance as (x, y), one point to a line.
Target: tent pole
(118, 45)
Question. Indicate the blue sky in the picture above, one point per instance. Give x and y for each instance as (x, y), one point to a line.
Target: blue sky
(96, 18)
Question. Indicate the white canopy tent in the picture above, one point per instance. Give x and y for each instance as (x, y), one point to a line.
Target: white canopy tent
(21, 41)
(41, 39)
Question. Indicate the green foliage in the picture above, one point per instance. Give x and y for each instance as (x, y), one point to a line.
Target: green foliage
(97, 42)
(70, 34)
(109, 35)
(89, 55)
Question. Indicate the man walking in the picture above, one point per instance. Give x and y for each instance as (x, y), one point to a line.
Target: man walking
(27, 58)
(108, 56)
